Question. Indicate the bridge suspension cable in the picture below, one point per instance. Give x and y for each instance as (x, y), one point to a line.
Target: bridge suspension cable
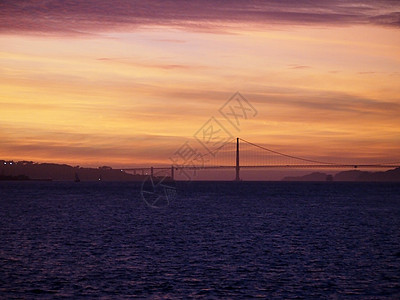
(289, 156)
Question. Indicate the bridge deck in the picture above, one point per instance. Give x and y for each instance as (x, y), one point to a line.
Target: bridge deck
(267, 167)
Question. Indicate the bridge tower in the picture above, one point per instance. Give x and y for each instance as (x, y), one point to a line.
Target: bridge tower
(237, 161)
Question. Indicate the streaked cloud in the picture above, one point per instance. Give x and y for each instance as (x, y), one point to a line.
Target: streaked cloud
(295, 66)
(82, 17)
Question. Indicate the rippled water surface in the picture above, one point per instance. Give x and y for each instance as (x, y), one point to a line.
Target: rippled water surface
(214, 240)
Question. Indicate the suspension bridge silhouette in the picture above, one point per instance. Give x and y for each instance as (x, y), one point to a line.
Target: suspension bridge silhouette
(242, 154)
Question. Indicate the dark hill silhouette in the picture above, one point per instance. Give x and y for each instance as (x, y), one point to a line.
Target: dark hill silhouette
(391, 175)
(352, 175)
(47, 171)
(316, 176)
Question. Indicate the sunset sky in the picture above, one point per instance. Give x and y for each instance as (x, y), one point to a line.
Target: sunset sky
(125, 83)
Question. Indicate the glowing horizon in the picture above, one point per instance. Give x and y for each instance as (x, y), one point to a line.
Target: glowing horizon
(131, 89)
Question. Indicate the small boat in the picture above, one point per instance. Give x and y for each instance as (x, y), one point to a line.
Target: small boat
(77, 178)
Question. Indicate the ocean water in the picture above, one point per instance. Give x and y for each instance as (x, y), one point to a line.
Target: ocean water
(212, 240)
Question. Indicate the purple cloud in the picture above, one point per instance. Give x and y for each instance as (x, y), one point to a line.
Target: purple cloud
(91, 16)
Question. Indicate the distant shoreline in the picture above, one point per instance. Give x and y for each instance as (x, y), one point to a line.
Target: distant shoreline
(21, 178)
(31, 171)
(14, 178)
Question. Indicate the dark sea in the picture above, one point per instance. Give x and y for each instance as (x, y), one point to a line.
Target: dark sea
(212, 240)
